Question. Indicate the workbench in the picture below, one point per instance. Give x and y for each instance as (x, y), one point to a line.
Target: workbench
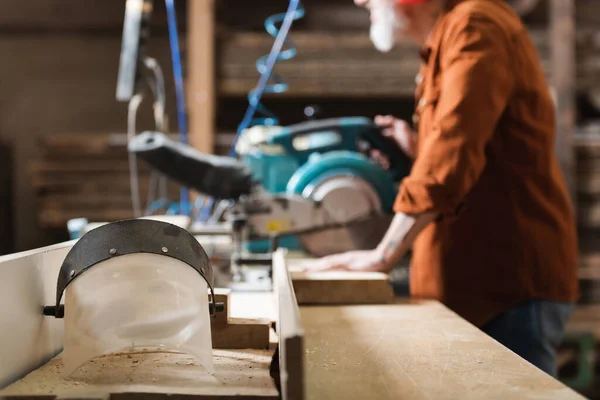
(402, 349)
(411, 350)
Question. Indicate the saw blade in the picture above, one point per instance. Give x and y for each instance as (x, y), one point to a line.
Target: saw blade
(363, 234)
(353, 203)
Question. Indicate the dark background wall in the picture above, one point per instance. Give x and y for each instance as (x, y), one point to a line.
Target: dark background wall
(58, 75)
(59, 69)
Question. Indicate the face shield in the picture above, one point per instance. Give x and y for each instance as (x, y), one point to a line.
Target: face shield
(137, 284)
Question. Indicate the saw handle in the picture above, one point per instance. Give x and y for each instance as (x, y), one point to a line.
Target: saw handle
(338, 134)
(316, 136)
(216, 176)
(400, 163)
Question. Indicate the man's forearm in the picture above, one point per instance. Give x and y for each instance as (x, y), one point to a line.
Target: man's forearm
(400, 236)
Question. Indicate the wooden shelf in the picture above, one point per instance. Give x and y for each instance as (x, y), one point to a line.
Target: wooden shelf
(327, 64)
(86, 175)
(347, 64)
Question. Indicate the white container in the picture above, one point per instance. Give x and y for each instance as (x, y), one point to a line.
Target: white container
(137, 301)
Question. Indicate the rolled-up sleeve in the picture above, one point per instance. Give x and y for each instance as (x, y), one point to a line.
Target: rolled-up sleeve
(476, 81)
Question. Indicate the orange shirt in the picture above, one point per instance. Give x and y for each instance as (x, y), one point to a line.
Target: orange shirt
(486, 160)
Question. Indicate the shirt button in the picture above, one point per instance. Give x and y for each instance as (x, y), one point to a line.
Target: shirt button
(422, 103)
(418, 79)
(415, 119)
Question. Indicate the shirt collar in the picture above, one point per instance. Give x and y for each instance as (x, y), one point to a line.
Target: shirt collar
(427, 48)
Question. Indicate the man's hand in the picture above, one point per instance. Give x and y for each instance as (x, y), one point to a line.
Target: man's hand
(396, 242)
(363, 260)
(400, 132)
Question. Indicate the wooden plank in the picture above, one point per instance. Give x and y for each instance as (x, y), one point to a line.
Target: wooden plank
(334, 15)
(83, 166)
(28, 282)
(585, 319)
(341, 287)
(75, 16)
(321, 66)
(77, 180)
(87, 201)
(77, 185)
(337, 287)
(156, 375)
(290, 331)
(339, 16)
(588, 214)
(99, 144)
(260, 305)
(413, 350)
(308, 74)
(62, 14)
(563, 39)
(201, 75)
(53, 218)
(237, 333)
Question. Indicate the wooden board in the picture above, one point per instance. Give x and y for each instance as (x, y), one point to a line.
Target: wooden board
(201, 75)
(289, 328)
(330, 64)
(28, 338)
(239, 374)
(342, 287)
(87, 176)
(237, 333)
(413, 350)
(585, 319)
(564, 84)
(60, 16)
(339, 287)
(259, 305)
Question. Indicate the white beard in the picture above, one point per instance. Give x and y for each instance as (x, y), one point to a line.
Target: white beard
(384, 28)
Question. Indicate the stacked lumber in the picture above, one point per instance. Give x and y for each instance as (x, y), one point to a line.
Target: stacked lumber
(589, 271)
(587, 146)
(86, 175)
(327, 64)
(332, 64)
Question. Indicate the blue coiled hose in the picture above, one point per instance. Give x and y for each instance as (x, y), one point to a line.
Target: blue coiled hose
(181, 112)
(265, 66)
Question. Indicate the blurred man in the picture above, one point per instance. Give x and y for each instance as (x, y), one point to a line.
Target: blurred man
(485, 204)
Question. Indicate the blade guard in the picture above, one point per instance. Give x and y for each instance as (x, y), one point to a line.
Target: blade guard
(352, 163)
(356, 235)
(136, 302)
(216, 176)
(131, 237)
(147, 288)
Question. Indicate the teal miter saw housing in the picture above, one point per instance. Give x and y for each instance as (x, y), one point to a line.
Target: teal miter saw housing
(295, 159)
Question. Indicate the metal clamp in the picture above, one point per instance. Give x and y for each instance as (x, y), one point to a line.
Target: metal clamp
(132, 237)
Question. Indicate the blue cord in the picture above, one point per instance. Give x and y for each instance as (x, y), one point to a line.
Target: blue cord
(265, 66)
(178, 75)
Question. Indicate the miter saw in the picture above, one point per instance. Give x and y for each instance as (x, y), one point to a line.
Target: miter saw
(336, 200)
(274, 155)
